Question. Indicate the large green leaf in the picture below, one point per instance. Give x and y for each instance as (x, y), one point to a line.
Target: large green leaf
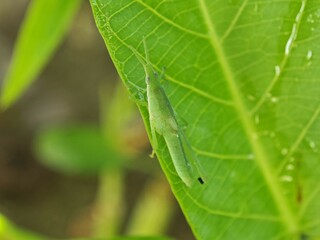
(42, 30)
(244, 75)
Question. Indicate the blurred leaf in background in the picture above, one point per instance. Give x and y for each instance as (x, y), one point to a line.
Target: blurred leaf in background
(76, 149)
(42, 30)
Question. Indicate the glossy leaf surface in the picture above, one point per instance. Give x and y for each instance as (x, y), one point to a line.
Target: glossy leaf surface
(245, 77)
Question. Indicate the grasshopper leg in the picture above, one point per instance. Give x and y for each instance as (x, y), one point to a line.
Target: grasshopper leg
(154, 139)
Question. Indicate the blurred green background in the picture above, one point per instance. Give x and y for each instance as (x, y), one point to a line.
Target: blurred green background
(74, 155)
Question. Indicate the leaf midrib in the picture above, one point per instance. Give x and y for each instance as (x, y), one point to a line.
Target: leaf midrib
(289, 218)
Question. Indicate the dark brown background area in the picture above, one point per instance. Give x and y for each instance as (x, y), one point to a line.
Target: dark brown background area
(31, 195)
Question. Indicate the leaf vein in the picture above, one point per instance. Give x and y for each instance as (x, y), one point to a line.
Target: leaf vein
(234, 21)
(184, 85)
(261, 158)
(237, 215)
(171, 22)
(301, 136)
(282, 65)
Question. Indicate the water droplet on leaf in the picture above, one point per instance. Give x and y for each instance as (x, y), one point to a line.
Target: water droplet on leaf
(284, 151)
(277, 70)
(290, 167)
(274, 99)
(286, 178)
(309, 55)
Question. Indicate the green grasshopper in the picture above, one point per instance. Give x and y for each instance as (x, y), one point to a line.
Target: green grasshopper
(163, 121)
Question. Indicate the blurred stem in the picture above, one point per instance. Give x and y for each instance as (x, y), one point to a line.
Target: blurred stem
(109, 205)
(153, 211)
(116, 112)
